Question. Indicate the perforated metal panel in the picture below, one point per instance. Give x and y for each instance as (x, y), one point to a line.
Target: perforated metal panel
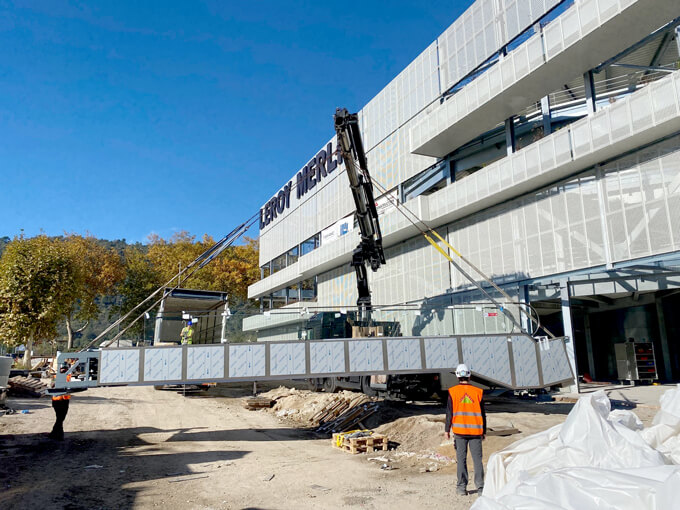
(205, 363)
(247, 360)
(164, 364)
(287, 359)
(487, 356)
(119, 366)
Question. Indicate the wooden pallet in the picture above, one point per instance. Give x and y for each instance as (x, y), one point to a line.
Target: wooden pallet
(26, 386)
(356, 445)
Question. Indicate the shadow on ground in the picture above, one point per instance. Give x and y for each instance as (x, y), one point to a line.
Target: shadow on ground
(93, 469)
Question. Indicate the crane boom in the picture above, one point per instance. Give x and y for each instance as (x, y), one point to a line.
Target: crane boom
(370, 249)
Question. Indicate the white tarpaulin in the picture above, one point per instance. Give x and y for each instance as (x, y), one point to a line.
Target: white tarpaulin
(597, 459)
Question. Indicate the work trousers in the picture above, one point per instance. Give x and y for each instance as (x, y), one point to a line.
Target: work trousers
(60, 409)
(475, 444)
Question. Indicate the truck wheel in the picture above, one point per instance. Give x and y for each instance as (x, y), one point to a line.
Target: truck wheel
(314, 384)
(366, 386)
(330, 385)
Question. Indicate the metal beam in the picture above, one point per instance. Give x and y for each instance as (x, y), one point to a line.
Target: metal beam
(510, 140)
(661, 49)
(663, 337)
(589, 346)
(546, 115)
(591, 99)
(672, 25)
(645, 68)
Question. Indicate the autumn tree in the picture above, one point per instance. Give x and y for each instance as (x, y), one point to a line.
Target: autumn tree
(141, 279)
(232, 271)
(37, 282)
(97, 271)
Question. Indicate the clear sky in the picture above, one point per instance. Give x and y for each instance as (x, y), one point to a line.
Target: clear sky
(124, 118)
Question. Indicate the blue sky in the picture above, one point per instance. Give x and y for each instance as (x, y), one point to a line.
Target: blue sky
(128, 118)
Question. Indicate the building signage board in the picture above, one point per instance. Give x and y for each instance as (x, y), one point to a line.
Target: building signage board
(337, 230)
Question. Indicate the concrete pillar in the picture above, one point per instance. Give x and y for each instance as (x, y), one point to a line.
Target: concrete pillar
(589, 346)
(591, 99)
(568, 329)
(663, 337)
(510, 135)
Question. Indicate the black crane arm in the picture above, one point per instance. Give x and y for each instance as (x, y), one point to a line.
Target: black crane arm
(370, 249)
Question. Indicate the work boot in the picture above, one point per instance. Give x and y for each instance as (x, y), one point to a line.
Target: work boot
(461, 492)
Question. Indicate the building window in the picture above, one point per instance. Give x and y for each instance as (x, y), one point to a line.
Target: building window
(293, 293)
(265, 270)
(279, 298)
(308, 289)
(292, 256)
(278, 263)
(265, 303)
(309, 245)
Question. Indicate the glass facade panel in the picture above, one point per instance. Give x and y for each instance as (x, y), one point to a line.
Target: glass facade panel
(278, 263)
(308, 289)
(279, 298)
(309, 245)
(292, 255)
(293, 293)
(265, 270)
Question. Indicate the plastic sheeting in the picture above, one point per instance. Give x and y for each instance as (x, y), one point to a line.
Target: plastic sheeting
(597, 459)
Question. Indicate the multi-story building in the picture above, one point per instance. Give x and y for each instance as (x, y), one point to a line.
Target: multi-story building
(541, 138)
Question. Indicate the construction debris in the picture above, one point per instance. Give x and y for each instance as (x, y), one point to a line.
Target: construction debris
(253, 403)
(348, 418)
(354, 443)
(26, 386)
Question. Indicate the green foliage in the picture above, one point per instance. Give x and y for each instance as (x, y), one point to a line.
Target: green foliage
(37, 284)
(141, 279)
(97, 272)
(49, 283)
(232, 272)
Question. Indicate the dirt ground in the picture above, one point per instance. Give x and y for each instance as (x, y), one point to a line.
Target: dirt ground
(134, 447)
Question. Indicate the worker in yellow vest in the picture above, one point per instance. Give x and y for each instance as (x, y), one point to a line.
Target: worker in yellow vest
(60, 405)
(466, 420)
(187, 333)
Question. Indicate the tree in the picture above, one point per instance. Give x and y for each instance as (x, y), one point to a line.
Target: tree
(141, 279)
(37, 283)
(97, 271)
(232, 271)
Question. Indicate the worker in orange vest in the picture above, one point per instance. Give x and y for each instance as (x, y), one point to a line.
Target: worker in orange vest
(60, 405)
(466, 420)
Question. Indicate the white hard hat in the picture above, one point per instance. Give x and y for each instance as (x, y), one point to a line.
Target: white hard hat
(462, 370)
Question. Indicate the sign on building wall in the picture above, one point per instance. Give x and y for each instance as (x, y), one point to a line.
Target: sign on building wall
(337, 230)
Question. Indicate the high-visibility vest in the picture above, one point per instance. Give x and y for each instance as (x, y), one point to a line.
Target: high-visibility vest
(467, 410)
(66, 396)
(187, 334)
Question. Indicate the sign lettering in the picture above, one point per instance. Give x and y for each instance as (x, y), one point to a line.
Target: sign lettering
(319, 167)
